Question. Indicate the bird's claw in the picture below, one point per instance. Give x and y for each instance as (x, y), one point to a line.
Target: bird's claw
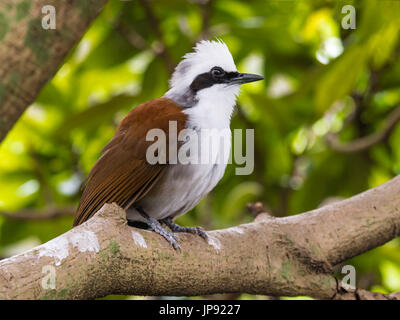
(170, 237)
(200, 231)
(177, 228)
(173, 242)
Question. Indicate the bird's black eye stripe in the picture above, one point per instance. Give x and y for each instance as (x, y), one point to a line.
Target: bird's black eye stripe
(214, 76)
(221, 76)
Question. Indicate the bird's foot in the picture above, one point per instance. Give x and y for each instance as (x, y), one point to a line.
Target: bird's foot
(156, 227)
(177, 228)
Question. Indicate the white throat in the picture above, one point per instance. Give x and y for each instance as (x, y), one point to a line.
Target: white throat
(213, 109)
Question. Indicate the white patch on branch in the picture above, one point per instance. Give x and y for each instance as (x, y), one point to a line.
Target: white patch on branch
(213, 241)
(85, 240)
(58, 248)
(236, 230)
(138, 239)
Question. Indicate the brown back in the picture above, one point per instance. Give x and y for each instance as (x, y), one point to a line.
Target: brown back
(122, 174)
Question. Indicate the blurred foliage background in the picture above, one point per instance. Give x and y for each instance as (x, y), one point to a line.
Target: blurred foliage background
(326, 88)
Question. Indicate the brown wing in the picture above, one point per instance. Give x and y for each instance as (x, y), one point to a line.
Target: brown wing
(122, 174)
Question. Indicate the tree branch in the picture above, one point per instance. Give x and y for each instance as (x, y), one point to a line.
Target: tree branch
(360, 294)
(271, 256)
(154, 23)
(38, 215)
(367, 142)
(206, 12)
(31, 55)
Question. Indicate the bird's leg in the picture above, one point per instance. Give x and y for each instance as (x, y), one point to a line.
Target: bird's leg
(177, 228)
(156, 227)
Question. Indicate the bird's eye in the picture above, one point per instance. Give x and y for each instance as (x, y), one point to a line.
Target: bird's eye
(217, 72)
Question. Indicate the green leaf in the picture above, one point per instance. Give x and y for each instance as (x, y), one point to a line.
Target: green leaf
(340, 78)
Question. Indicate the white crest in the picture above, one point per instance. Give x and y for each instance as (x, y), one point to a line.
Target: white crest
(207, 54)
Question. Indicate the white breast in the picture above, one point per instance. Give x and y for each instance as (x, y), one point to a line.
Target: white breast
(184, 185)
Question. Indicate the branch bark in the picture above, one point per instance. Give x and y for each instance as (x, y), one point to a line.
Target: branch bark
(271, 256)
(30, 54)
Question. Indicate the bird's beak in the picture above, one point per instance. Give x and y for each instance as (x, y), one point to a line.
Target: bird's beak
(245, 78)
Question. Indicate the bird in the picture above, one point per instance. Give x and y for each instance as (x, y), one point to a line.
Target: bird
(202, 94)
